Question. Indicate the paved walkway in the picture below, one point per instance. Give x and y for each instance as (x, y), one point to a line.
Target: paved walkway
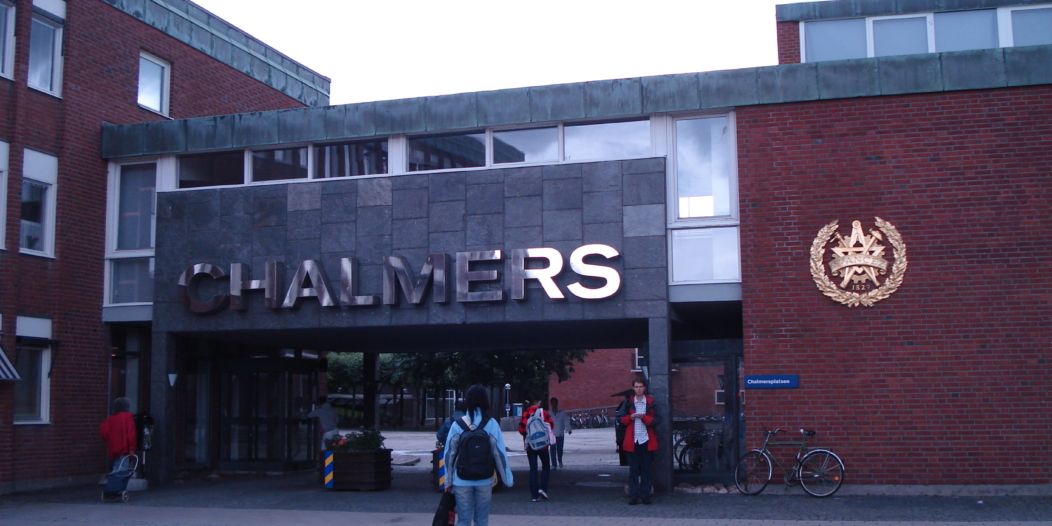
(588, 492)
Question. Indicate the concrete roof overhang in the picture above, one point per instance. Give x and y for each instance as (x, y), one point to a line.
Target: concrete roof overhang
(576, 334)
(597, 100)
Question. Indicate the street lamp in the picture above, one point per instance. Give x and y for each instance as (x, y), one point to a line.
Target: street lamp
(507, 401)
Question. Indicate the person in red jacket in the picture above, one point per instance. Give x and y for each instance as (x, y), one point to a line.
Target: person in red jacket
(640, 441)
(539, 490)
(119, 431)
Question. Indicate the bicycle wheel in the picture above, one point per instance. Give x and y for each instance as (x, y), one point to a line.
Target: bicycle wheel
(692, 457)
(821, 473)
(753, 472)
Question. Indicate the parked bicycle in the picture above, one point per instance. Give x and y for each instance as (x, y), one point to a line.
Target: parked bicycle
(691, 446)
(819, 471)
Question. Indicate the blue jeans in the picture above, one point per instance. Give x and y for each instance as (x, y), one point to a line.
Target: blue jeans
(557, 451)
(546, 470)
(473, 504)
(639, 467)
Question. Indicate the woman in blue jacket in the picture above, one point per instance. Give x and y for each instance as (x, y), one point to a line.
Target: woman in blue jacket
(474, 496)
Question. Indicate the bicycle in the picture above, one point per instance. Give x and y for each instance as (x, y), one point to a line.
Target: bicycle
(819, 471)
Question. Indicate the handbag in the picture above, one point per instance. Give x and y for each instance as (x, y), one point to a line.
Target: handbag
(446, 514)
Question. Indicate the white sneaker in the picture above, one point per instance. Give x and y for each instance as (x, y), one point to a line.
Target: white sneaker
(542, 494)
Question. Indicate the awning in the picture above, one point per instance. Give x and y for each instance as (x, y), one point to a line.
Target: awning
(7, 371)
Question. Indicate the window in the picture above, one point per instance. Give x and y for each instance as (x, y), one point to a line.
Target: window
(212, 169)
(33, 362)
(350, 159)
(154, 79)
(3, 191)
(705, 255)
(900, 36)
(609, 140)
(280, 164)
(926, 33)
(1032, 27)
(835, 39)
(45, 54)
(964, 30)
(526, 146)
(39, 185)
(131, 280)
(7, 39)
(440, 152)
(704, 168)
(704, 189)
(133, 217)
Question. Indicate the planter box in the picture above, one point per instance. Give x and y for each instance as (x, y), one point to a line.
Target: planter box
(358, 470)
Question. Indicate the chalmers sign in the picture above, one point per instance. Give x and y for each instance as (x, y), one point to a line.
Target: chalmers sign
(310, 280)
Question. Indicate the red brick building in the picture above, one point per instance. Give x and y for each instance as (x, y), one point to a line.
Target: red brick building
(852, 241)
(69, 68)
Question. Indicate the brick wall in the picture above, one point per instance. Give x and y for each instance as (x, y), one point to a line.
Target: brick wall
(946, 380)
(788, 42)
(603, 373)
(100, 84)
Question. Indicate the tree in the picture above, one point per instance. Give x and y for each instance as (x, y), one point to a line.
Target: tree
(345, 372)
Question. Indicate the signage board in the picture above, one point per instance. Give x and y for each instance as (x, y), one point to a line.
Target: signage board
(772, 381)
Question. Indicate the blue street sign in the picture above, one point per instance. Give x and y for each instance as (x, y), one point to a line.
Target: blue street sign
(772, 381)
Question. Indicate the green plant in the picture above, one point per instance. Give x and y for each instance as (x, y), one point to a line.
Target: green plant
(364, 440)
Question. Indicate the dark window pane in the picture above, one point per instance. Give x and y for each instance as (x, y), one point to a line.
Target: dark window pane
(42, 55)
(214, 169)
(447, 151)
(350, 159)
(135, 207)
(34, 207)
(835, 39)
(278, 165)
(132, 281)
(27, 390)
(1032, 27)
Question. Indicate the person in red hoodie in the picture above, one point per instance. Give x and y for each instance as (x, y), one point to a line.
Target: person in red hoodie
(538, 489)
(640, 441)
(119, 431)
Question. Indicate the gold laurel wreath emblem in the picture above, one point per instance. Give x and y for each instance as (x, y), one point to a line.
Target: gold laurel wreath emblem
(854, 299)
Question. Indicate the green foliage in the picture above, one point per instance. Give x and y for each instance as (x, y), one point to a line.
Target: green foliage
(529, 371)
(345, 372)
(364, 440)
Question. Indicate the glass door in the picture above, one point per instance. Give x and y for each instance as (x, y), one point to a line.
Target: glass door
(705, 414)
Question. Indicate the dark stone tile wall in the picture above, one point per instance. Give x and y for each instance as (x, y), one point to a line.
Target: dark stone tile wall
(618, 203)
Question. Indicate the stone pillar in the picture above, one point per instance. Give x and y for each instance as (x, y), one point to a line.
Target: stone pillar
(658, 366)
(370, 381)
(160, 466)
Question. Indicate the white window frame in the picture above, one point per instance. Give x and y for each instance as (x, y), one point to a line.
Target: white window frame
(112, 222)
(7, 62)
(929, 25)
(1005, 36)
(4, 170)
(39, 167)
(166, 80)
(38, 328)
(56, 58)
(672, 210)
(1004, 22)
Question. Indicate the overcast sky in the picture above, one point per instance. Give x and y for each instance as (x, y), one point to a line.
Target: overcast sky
(392, 49)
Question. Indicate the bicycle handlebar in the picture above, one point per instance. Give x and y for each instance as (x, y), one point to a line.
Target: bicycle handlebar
(805, 432)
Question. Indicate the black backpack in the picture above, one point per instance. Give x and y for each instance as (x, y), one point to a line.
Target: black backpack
(474, 455)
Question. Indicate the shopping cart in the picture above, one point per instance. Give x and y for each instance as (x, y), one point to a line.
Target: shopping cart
(117, 481)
